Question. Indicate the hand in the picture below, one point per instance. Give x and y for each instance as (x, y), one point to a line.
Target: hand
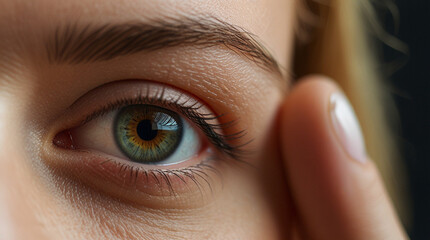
(336, 189)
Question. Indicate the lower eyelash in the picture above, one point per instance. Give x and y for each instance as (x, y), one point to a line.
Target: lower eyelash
(163, 178)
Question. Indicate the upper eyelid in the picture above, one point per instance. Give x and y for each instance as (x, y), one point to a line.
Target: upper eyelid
(125, 91)
(119, 103)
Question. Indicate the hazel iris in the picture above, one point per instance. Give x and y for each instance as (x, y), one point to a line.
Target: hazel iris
(146, 133)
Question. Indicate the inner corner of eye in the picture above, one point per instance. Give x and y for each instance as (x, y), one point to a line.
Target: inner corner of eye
(64, 139)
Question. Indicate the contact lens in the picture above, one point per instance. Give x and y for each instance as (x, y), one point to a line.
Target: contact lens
(147, 133)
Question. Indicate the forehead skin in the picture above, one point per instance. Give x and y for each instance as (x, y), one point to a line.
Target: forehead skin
(25, 25)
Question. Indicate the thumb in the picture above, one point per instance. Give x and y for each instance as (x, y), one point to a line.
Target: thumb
(337, 191)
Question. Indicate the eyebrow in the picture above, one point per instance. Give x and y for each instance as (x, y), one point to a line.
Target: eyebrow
(74, 44)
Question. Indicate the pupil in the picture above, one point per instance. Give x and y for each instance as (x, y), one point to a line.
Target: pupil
(145, 131)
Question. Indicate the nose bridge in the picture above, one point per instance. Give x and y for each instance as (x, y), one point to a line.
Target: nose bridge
(17, 216)
(7, 229)
(7, 226)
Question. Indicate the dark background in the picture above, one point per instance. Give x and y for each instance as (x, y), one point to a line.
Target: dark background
(408, 79)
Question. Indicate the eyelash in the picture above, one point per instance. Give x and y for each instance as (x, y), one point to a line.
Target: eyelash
(211, 130)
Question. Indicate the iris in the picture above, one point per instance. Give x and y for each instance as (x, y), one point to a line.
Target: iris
(147, 133)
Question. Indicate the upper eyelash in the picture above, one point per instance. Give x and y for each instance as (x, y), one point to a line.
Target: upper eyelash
(219, 140)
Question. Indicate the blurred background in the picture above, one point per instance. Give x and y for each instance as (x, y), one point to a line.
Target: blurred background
(407, 75)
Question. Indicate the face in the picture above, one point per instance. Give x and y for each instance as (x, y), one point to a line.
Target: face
(143, 119)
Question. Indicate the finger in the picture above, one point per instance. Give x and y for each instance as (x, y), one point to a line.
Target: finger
(336, 188)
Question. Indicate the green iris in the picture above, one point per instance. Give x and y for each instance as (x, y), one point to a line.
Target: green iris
(147, 133)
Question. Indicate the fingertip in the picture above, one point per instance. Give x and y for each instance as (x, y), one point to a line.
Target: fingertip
(308, 158)
(304, 118)
(337, 192)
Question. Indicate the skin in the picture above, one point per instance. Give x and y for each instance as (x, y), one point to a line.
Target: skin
(42, 197)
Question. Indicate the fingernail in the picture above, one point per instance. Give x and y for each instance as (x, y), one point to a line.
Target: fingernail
(347, 127)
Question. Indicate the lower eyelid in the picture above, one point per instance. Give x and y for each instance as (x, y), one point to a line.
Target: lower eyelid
(153, 188)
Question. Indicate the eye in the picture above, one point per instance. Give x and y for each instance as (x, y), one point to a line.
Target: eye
(132, 139)
(149, 134)
(142, 133)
